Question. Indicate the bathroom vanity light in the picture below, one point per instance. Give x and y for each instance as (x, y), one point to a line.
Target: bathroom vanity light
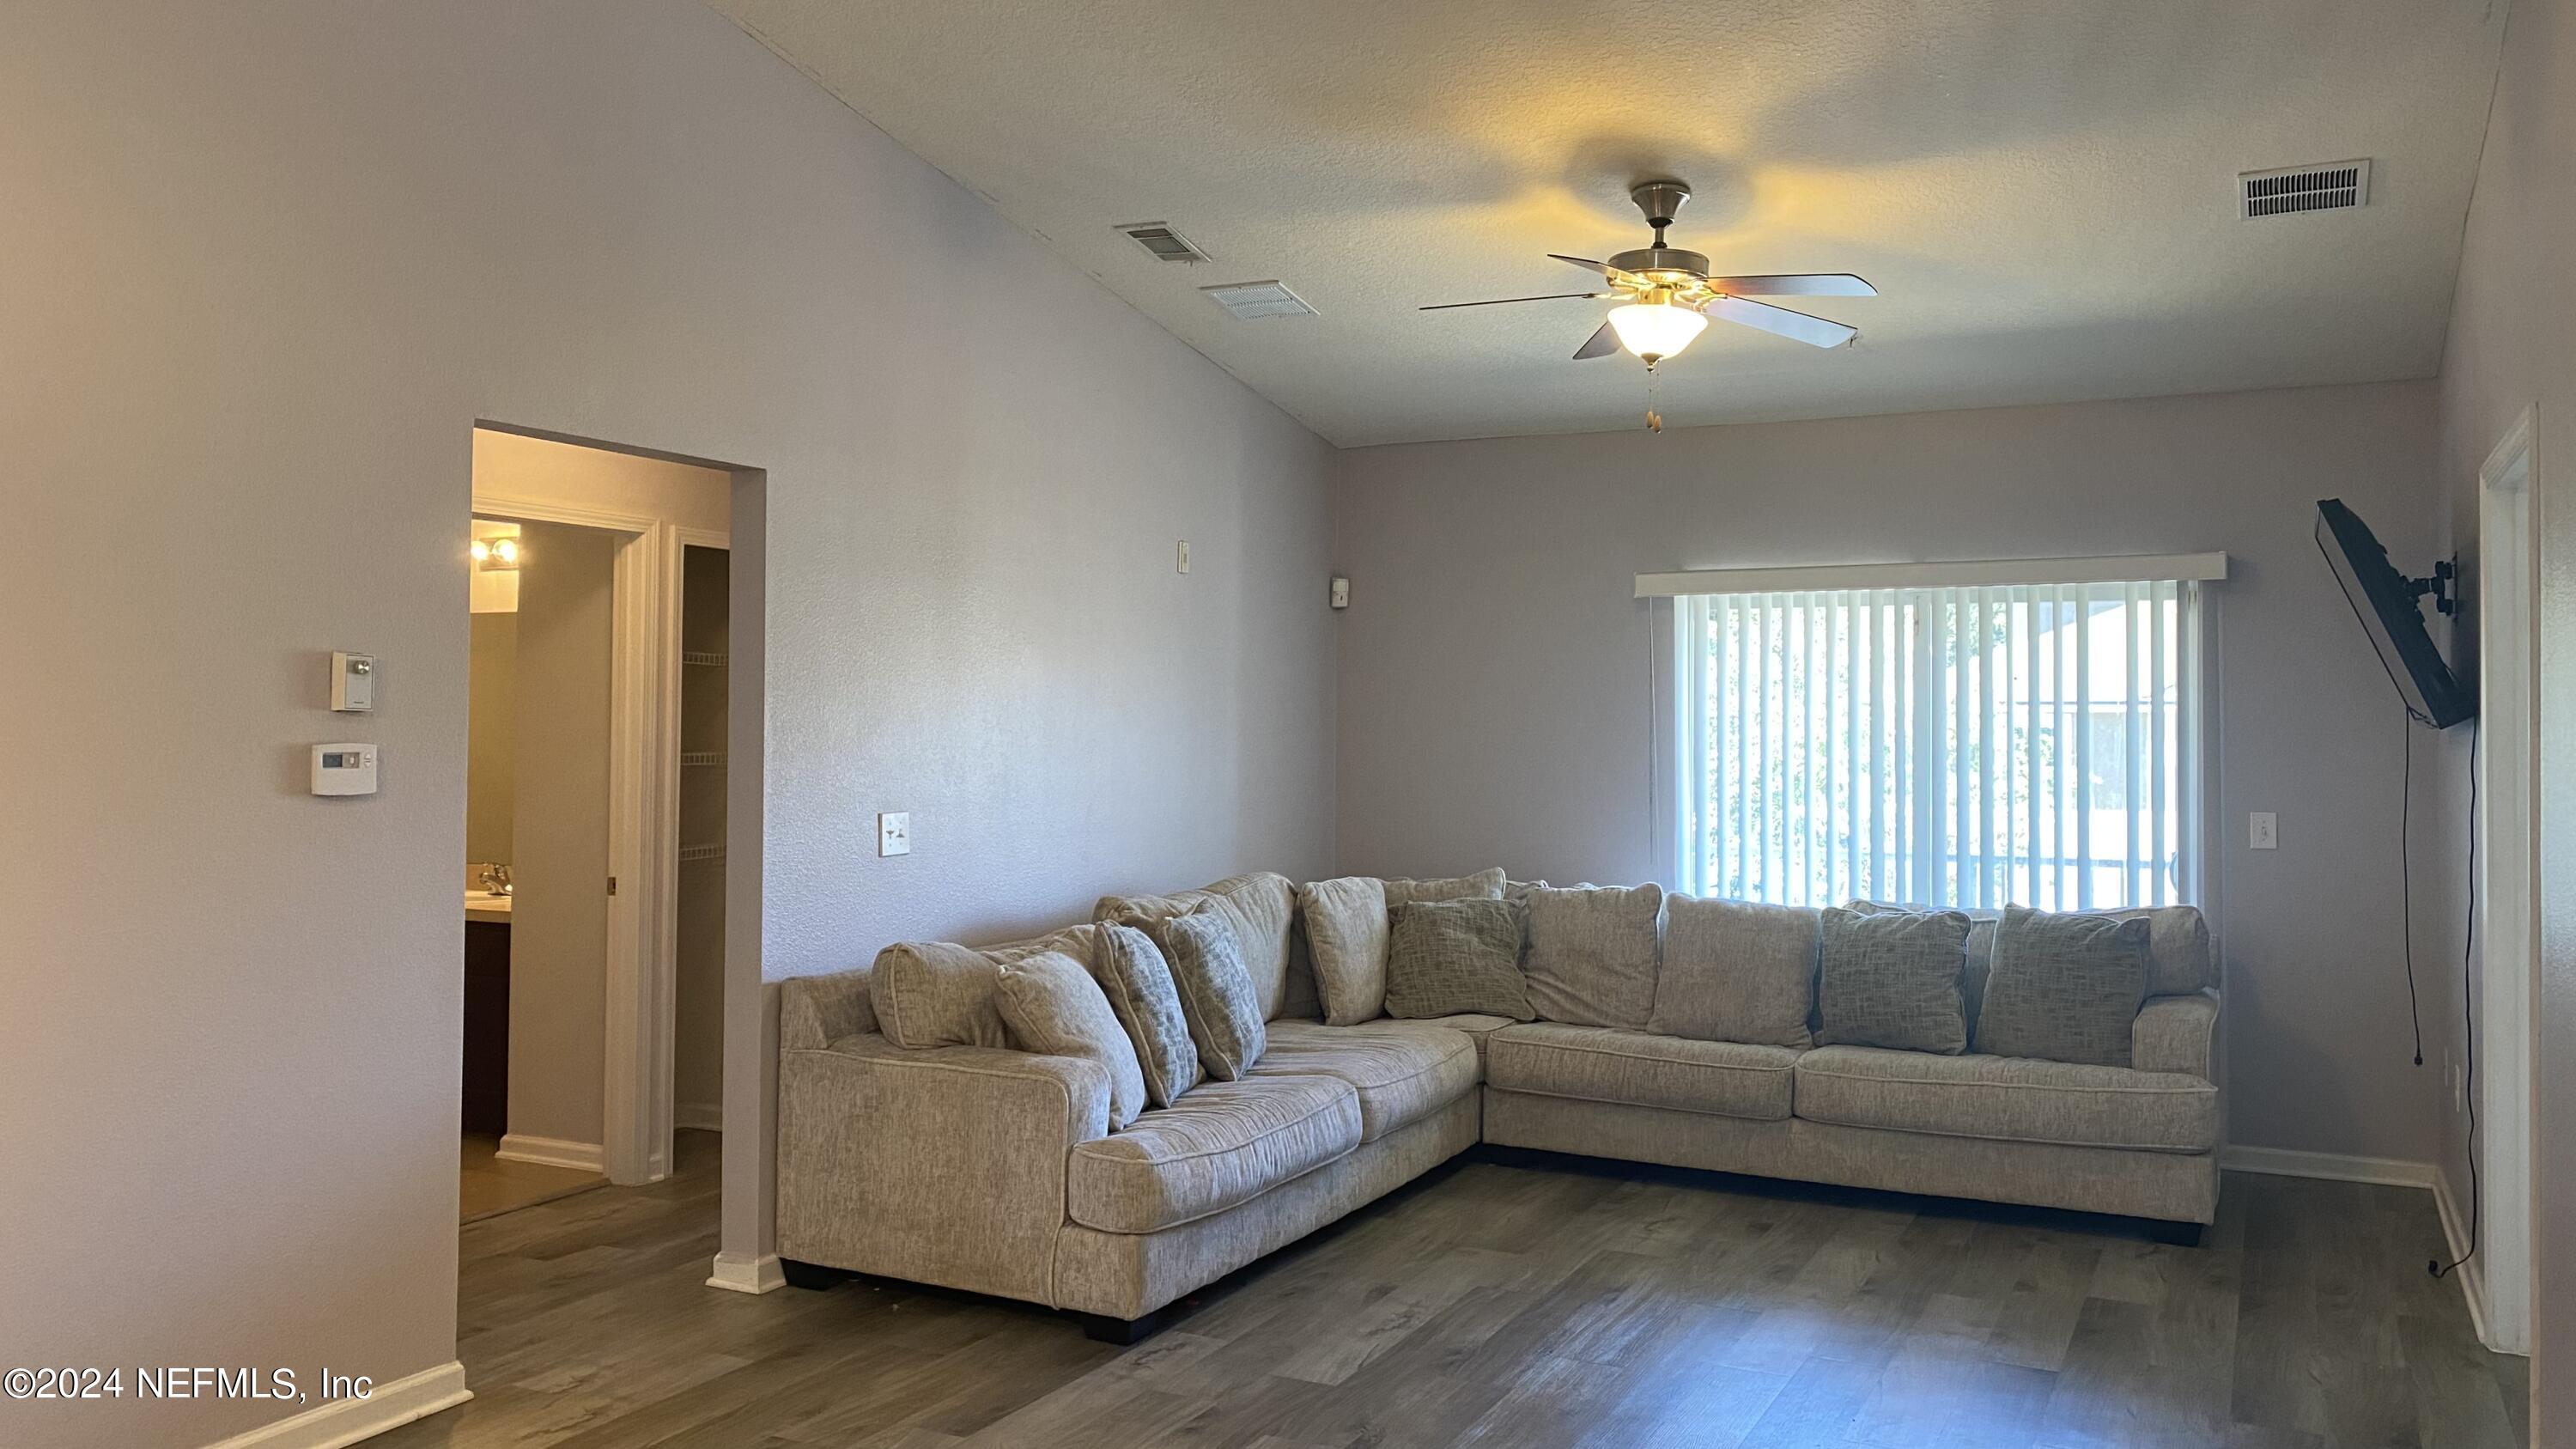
(495, 553)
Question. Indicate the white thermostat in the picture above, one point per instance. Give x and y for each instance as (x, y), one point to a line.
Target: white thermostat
(344, 769)
(353, 682)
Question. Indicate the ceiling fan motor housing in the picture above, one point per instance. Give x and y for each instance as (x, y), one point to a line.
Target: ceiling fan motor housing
(1669, 266)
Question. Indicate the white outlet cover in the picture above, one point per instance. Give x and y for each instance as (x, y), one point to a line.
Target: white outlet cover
(2263, 830)
(894, 832)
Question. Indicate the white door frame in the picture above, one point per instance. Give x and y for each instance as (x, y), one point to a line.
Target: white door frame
(642, 969)
(2508, 875)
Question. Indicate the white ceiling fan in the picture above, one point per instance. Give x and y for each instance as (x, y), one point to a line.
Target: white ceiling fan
(1666, 295)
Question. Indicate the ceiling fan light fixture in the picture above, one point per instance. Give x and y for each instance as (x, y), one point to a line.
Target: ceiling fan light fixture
(1655, 330)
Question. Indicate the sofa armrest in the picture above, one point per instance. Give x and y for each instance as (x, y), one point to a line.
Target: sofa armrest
(815, 1011)
(944, 1165)
(2174, 1034)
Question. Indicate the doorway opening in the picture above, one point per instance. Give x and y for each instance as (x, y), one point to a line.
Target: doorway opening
(600, 812)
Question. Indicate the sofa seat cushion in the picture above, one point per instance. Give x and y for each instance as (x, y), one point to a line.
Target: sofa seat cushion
(1603, 1064)
(1402, 1071)
(1223, 1144)
(2008, 1099)
(1479, 1027)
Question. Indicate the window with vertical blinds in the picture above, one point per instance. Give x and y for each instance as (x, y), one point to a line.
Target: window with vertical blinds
(2034, 744)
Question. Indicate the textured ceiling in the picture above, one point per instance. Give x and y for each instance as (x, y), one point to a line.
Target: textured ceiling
(2043, 190)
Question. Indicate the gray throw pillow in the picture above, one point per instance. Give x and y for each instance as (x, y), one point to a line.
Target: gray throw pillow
(1736, 971)
(1216, 992)
(1447, 958)
(1592, 952)
(1892, 980)
(1051, 1006)
(2065, 988)
(1345, 924)
(1141, 994)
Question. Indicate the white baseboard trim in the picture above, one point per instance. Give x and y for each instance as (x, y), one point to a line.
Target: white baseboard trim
(699, 1116)
(551, 1152)
(390, 1406)
(2333, 1166)
(2472, 1274)
(747, 1275)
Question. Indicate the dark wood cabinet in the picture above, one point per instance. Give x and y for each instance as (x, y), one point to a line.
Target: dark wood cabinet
(487, 1027)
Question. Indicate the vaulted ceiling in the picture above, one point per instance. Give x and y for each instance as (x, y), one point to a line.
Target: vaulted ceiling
(2044, 191)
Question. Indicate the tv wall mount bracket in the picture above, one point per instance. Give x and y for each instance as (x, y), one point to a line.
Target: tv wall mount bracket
(2443, 585)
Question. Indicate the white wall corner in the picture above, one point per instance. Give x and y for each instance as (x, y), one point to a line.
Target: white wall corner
(387, 1406)
(550, 1152)
(747, 1275)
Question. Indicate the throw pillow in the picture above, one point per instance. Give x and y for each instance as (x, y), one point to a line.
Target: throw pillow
(934, 994)
(1892, 980)
(1262, 908)
(1592, 952)
(1217, 999)
(2065, 988)
(1051, 1006)
(1141, 994)
(1446, 958)
(1736, 971)
(1346, 936)
(1981, 942)
(1483, 885)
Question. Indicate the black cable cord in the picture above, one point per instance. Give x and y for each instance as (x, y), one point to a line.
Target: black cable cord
(2469, 1022)
(2406, 879)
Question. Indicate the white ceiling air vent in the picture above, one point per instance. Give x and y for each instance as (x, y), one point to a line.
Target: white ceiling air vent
(1258, 299)
(2331, 187)
(1166, 244)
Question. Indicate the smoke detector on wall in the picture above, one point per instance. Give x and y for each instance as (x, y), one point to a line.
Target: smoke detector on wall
(2334, 186)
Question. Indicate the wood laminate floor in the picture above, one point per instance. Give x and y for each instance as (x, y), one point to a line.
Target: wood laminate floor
(488, 1185)
(1524, 1302)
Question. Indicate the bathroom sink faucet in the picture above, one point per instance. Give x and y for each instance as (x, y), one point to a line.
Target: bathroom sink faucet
(496, 880)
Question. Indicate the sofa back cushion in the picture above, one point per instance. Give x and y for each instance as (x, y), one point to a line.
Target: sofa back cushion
(1141, 995)
(1592, 953)
(1050, 1005)
(1345, 923)
(1893, 979)
(2064, 988)
(1737, 971)
(1483, 885)
(1262, 909)
(1452, 957)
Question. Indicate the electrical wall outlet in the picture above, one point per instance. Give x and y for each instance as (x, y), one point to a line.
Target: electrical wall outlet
(894, 832)
(2263, 831)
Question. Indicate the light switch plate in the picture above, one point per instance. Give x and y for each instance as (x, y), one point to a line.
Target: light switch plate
(1181, 557)
(2263, 831)
(894, 832)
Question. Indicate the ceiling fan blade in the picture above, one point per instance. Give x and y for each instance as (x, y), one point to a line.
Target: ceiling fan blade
(1814, 331)
(1604, 268)
(1820, 284)
(1506, 301)
(1600, 344)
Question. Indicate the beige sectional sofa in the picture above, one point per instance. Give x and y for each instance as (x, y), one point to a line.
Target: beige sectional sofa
(914, 1143)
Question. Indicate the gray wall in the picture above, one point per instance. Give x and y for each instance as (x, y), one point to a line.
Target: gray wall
(1494, 668)
(559, 914)
(2513, 345)
(492, 756)
(268, 262)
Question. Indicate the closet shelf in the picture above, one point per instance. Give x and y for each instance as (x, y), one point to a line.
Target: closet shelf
(697, 656)
(695, 758)
(691, 854)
